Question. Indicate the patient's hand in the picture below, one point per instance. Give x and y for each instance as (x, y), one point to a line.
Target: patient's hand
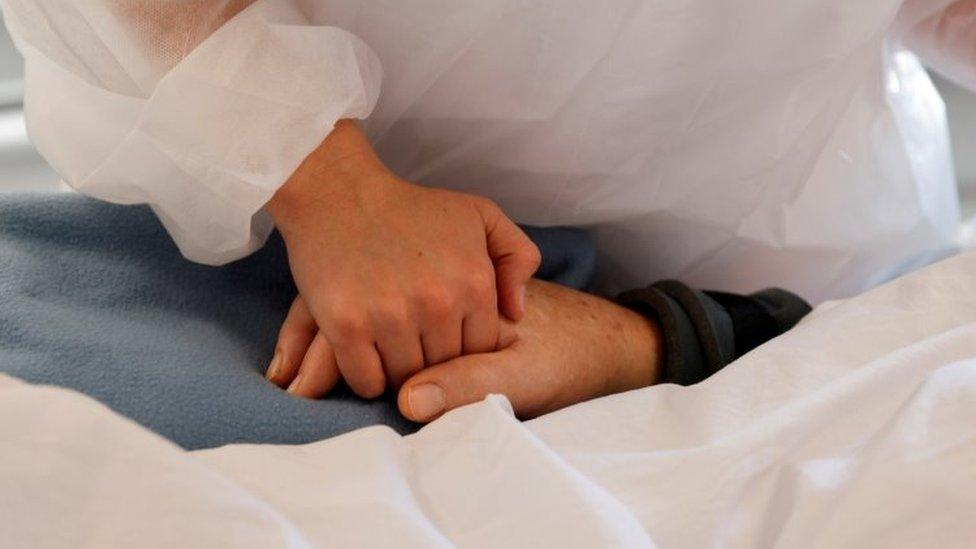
(570, 347)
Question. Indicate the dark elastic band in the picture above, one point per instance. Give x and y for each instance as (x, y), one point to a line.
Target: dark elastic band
(684, 362)
(716, 333)
(705, 331)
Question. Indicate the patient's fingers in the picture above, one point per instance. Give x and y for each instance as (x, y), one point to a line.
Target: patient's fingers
(295, 336)
(471, 378)
(319, 372)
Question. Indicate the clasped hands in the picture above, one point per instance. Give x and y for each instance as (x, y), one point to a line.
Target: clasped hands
(429, 292)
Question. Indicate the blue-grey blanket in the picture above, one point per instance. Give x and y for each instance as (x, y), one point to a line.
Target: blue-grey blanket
(95, 297)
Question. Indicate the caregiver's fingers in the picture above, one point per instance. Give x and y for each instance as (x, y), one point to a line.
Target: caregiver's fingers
(479, 327)
(442, 341)
(480, 332)
(402, 357)
(515, 257)
(468, 379)
(319, 371)
(507, 336)
(296, 334)
(361, 367)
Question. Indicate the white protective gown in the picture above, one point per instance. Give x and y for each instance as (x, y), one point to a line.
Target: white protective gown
(735, 144)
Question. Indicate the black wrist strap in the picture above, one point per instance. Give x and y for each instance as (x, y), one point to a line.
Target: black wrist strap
(705, 331)
(683, 360)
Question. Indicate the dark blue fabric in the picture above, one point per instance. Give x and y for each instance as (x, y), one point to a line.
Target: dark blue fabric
(96, 298)
(568, 255)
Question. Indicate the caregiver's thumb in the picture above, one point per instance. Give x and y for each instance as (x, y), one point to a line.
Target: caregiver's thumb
(515, 257)
(466, 380)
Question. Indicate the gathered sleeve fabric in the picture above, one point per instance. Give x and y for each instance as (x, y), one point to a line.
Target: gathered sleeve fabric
(199, 108)
(943, 34)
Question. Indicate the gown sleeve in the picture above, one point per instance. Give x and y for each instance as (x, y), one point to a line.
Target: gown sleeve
(199, 108)
(943, 34)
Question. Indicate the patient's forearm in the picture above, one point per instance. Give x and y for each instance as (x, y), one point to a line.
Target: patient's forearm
(641, 348)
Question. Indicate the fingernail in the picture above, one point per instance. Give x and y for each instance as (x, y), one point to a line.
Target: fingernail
(426, 401)
(521, 299)
(274, 367)
(295, 384)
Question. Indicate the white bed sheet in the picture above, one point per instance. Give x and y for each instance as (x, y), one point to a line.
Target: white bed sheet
(858, 428)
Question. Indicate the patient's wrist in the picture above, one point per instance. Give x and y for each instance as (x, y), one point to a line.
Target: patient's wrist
(640, 357)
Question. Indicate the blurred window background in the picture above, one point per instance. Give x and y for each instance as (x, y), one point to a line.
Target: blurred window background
(20, 165)
(22, 168)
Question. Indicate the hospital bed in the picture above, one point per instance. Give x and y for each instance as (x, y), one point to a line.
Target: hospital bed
(857, 428)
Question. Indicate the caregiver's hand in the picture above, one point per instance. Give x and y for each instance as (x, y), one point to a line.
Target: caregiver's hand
(570, 347)
(394, 275)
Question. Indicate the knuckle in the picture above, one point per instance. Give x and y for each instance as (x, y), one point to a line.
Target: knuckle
(479, 285)
(349, 324)
(488, 204)
(392, 314)
(533, 256)
(437, 303)
(486, 208)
